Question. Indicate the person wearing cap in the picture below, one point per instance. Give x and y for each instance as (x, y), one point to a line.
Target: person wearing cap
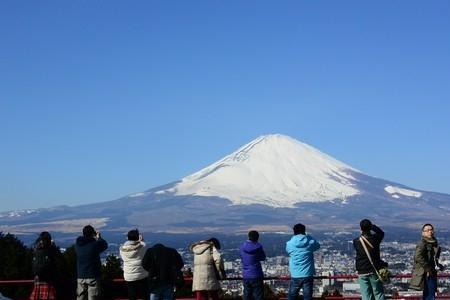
(252, 253)
(300, 249)
(132, 252)
(371, 286)
(88, 248)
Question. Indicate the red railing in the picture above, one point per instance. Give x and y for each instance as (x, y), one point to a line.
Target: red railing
(280, 278)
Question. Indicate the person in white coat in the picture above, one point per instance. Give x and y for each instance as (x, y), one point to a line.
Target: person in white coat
(132, 252)
(208, 269)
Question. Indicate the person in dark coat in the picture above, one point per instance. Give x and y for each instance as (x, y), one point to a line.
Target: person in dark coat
(164, 265)
(426, 263)
(46, 257)
(370, 285)
(88, 248)
(252, 253)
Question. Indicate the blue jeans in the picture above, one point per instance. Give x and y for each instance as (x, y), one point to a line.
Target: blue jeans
(253, 289)
(296, 284)
(371, 287)
(162, 292)
(429, 291)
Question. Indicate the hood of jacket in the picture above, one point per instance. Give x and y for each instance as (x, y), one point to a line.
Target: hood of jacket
(298, 241)
(160, 249)
(82, 241)
(200, 247)
(251, 247)
(132, 248)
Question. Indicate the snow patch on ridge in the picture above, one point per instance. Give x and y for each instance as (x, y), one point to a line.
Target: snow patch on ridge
(17, 213)
(273, 170)
(136, 195)
(395, 190)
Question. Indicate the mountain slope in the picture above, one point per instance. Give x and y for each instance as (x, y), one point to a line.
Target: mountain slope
(272, 170)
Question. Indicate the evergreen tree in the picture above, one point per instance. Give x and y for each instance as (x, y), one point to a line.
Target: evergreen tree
(112, 270)
(16, 260)
(67, 268)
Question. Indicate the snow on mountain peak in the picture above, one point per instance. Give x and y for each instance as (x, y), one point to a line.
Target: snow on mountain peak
(273, 170)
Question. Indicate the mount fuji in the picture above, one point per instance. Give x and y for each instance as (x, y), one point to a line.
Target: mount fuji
(268, 184)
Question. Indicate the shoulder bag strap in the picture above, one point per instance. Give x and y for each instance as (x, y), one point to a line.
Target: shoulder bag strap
(362, 240)
(367, 241)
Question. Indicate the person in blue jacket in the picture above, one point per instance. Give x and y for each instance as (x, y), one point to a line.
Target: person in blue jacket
(88, 248)
(300, 249)
(252, 253)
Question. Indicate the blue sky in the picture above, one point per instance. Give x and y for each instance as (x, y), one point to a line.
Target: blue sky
(100, 99)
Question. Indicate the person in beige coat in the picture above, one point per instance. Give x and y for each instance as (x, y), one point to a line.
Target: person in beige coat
(208, 269)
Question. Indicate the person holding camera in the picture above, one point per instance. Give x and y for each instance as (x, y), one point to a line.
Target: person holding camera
(301, 248)
(88, 248)
(132, 252)
(368, 243)
(252, 254)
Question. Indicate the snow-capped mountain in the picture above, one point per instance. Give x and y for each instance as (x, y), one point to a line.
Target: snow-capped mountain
(270, 183)
(272, 170)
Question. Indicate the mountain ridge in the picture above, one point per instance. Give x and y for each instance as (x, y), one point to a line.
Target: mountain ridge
(274, 170)
(187, 205)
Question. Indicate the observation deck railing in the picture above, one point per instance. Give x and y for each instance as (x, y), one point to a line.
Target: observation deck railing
(405, 295)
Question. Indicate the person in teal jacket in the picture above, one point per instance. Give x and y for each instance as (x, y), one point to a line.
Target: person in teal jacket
(300, 249)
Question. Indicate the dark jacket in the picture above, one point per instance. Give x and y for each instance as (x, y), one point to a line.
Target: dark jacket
(45, 262)
(425, 260)
(163, 264)
(252, 253)
(363, 265)
(88, 256)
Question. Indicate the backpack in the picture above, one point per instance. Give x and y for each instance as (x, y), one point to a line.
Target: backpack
(42, 263)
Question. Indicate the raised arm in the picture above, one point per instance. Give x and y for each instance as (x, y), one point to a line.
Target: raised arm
(379, 234)
(313, 245)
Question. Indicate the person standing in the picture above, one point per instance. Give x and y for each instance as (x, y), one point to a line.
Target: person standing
(370, 285)
(208, 269)
(426, 264)
(45, 261)
(164, 265)
(252, 253)
(88, 248)
(300, 249)
(132, 252)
